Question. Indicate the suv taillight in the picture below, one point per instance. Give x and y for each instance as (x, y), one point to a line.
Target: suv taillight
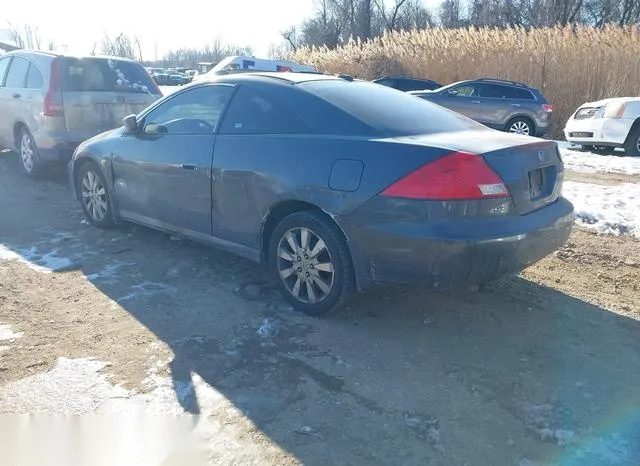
(547, 108)
(455, 176)
(53, 105)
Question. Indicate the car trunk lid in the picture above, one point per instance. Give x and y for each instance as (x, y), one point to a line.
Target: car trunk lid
(531, 168)
(533, 173)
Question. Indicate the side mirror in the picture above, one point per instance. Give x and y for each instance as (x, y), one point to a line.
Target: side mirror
(130, 123)
(452, 92)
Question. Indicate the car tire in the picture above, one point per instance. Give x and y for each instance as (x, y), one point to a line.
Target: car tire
(93, 193)
(521, 125)
(632, 144)
(299, 245)
(30, 163)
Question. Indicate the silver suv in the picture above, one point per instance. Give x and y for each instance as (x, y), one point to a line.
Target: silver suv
(51, 103)
(503, 105)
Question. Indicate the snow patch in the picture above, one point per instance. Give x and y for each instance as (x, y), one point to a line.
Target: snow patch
(109, 273)
(611, 210)
(147, 288)
(44, 263)
(588, 162)
(7, 334)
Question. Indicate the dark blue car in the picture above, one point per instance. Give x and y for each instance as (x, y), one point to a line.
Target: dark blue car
(336, 184)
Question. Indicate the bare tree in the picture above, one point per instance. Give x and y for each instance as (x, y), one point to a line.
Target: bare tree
(120, 46)
(290, 36)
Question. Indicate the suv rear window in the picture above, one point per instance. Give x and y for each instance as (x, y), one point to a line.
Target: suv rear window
(105, 75)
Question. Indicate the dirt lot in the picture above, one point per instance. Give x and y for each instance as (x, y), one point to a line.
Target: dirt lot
(539, 369)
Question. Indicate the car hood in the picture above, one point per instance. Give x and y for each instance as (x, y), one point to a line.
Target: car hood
(479, 141)
(600, 103)
(102, 136)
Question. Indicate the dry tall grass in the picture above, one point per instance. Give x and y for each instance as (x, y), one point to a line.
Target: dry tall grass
(570, 65)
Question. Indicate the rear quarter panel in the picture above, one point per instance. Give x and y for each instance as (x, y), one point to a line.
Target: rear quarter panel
(252, 174)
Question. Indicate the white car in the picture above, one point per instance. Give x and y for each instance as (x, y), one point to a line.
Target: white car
(237, 64)
(606, 124)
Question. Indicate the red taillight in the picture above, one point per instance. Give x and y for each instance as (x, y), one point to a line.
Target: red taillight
(547, 108)
(455, 176)
(53, 99)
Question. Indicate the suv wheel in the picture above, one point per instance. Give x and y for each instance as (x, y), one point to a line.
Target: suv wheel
(309, 258)
(520, 126)
(632, 144)
(28, 153)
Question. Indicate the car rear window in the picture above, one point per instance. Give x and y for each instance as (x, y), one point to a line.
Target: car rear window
(105, 75)
(390, 111)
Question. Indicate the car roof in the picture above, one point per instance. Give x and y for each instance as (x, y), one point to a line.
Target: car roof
(29, 52)
(280, 76)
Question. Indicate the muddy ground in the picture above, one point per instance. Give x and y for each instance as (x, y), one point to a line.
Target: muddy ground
(538, 369)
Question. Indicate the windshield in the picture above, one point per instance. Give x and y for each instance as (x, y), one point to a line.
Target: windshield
(388, 110)
(106, 75)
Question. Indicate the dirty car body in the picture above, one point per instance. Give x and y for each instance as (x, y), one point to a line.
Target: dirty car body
(418, 194)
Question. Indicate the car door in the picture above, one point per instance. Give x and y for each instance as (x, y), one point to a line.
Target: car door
(6, 126)
(257, 127)
(162, 175)
(495, 104)
(463, 99)
(15, 85)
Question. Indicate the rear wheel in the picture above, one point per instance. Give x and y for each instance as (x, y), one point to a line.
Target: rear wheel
(520, 125)
(28, 152)
(309, 258)
(632, 144)
(94, 195)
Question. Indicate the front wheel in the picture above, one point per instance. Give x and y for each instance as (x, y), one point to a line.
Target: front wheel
(309, 258)
(632, 144)
(94, 195)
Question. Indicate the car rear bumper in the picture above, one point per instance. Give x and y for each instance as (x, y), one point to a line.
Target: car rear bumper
(60, 153)
(598, 131)
(461, 252)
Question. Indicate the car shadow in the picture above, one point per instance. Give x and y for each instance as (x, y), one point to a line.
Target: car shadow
(519, 373)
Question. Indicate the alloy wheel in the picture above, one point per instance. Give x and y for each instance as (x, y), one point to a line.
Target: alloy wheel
(27, 153)
(520, 127)
(94, 196)
(305, 265)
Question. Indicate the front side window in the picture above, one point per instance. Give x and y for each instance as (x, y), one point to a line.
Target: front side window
(255, 112)
(194, 111)
(466, 90)
(17, 76)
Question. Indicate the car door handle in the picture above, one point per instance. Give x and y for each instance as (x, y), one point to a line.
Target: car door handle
(188, 166)
(475, 101)
(16, 96)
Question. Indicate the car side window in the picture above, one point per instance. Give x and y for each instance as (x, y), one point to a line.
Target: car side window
(495, 91)
(254, 112)
(466, 90)
(4, 64)
(17, 76)
(194, 111)
(34, 78)
(521, 94)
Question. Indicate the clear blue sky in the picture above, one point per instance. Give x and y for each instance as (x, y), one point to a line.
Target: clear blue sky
(79, 25)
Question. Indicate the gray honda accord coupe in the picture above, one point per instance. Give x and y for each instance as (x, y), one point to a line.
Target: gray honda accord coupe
(336, 184)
